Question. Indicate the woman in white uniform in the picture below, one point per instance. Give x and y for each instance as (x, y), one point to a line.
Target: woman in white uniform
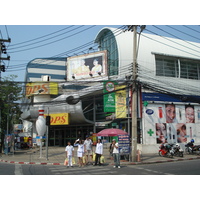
(80, 152)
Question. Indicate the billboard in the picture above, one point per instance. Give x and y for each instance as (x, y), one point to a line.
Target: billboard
(120, 99)
(41, 88)
(87, 66)
(171, 123)
(59, 119)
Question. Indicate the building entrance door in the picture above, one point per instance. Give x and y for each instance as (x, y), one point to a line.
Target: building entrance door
(59, 137)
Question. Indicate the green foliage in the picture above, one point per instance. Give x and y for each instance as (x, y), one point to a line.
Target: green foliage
(10, 94)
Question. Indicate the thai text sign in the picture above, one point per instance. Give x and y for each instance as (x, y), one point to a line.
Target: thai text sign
(124, 144)
(109, 99)
(59, 119)
(120, 99)
(41, 88)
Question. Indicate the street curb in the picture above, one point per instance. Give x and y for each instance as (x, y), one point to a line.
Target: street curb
(122, 162)
(30, 163)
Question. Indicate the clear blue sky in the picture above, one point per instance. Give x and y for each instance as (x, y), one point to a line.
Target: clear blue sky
(67, 37)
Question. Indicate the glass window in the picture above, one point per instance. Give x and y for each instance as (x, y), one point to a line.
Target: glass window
(169, 67)
(166, 67)
(189, 69)
(108, 42)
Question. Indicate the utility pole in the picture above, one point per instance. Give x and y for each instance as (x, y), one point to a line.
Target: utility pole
(133, 28)
(2, 69)
(134, 98)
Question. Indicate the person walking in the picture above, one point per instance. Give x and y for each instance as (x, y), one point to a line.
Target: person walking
(88, 150)
(69, 153)
(98, 152)
(116, 155)
(80, 152)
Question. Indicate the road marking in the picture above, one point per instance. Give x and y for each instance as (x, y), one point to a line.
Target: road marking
(153, 171)
(18, 169)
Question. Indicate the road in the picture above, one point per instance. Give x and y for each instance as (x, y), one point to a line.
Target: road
(189, 167)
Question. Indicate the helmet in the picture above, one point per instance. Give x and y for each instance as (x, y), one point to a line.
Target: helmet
(177, 145)
(192, 140)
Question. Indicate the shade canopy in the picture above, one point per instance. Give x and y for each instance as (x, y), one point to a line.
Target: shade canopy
(111, 132)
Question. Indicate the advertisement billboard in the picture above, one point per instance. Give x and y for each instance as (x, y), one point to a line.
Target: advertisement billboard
(59, 119)
(120, 99)
(87, 66)
(171, 123)
(41, 88)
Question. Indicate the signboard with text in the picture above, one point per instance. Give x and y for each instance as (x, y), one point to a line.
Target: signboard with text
(59, 119)
(38, 88)
(124, 144)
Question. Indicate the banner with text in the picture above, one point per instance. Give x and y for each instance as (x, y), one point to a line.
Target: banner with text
(109, 99)
(120, 99)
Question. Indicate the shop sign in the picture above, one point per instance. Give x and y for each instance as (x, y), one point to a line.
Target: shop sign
(120, 100)
(109, 99)
(38, 88)
(124, 144)
(59, 119)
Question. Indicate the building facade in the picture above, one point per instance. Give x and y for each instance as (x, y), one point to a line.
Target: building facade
(168, 80)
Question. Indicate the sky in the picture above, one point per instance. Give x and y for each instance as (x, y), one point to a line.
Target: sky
(40, 41)
(22, 22)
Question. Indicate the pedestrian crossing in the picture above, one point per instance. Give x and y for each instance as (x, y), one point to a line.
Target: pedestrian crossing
(86, 170)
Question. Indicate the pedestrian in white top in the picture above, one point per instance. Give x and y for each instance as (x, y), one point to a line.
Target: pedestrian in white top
(99, 152)
(88, 149)
(80, 152)
(69, 153)
(116, 155)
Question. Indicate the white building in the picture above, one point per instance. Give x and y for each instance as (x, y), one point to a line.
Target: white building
(168, 73)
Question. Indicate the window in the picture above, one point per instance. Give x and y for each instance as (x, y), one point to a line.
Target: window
(177, 67)
(189, 70)
(108, 42)
(166, 67)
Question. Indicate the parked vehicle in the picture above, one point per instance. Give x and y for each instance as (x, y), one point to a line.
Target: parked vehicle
(191, 148)
(177, 150)
(166, 150)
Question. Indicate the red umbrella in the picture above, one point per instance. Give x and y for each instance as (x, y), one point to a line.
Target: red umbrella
(111, 132)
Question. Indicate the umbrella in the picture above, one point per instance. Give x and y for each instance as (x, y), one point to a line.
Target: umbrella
(111, 132)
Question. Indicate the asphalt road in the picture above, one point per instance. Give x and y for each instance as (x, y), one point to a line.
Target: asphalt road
(189, 167)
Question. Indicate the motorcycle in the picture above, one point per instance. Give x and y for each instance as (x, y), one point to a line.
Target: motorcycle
(166, 150)
(191, 148)
(177, 150)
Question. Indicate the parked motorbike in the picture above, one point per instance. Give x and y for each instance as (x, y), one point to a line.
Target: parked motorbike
(191, 148)
(166, 150)
(177, 150)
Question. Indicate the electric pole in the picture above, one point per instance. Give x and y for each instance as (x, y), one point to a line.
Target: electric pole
(134, 98)
(2, 69)
(133, 28)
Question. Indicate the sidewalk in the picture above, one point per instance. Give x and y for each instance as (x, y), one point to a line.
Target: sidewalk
(56, 156)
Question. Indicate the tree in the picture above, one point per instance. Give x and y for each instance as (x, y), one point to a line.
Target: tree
(10, 94)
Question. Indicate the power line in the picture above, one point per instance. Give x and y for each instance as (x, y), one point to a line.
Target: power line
(168, 44)
(176, 36)
(80, 48)
(42, 36)
(47, 38)
(55, 40)
(191, 28)
(183, 32)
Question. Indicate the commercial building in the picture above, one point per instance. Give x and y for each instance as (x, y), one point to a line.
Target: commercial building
(168, 89)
